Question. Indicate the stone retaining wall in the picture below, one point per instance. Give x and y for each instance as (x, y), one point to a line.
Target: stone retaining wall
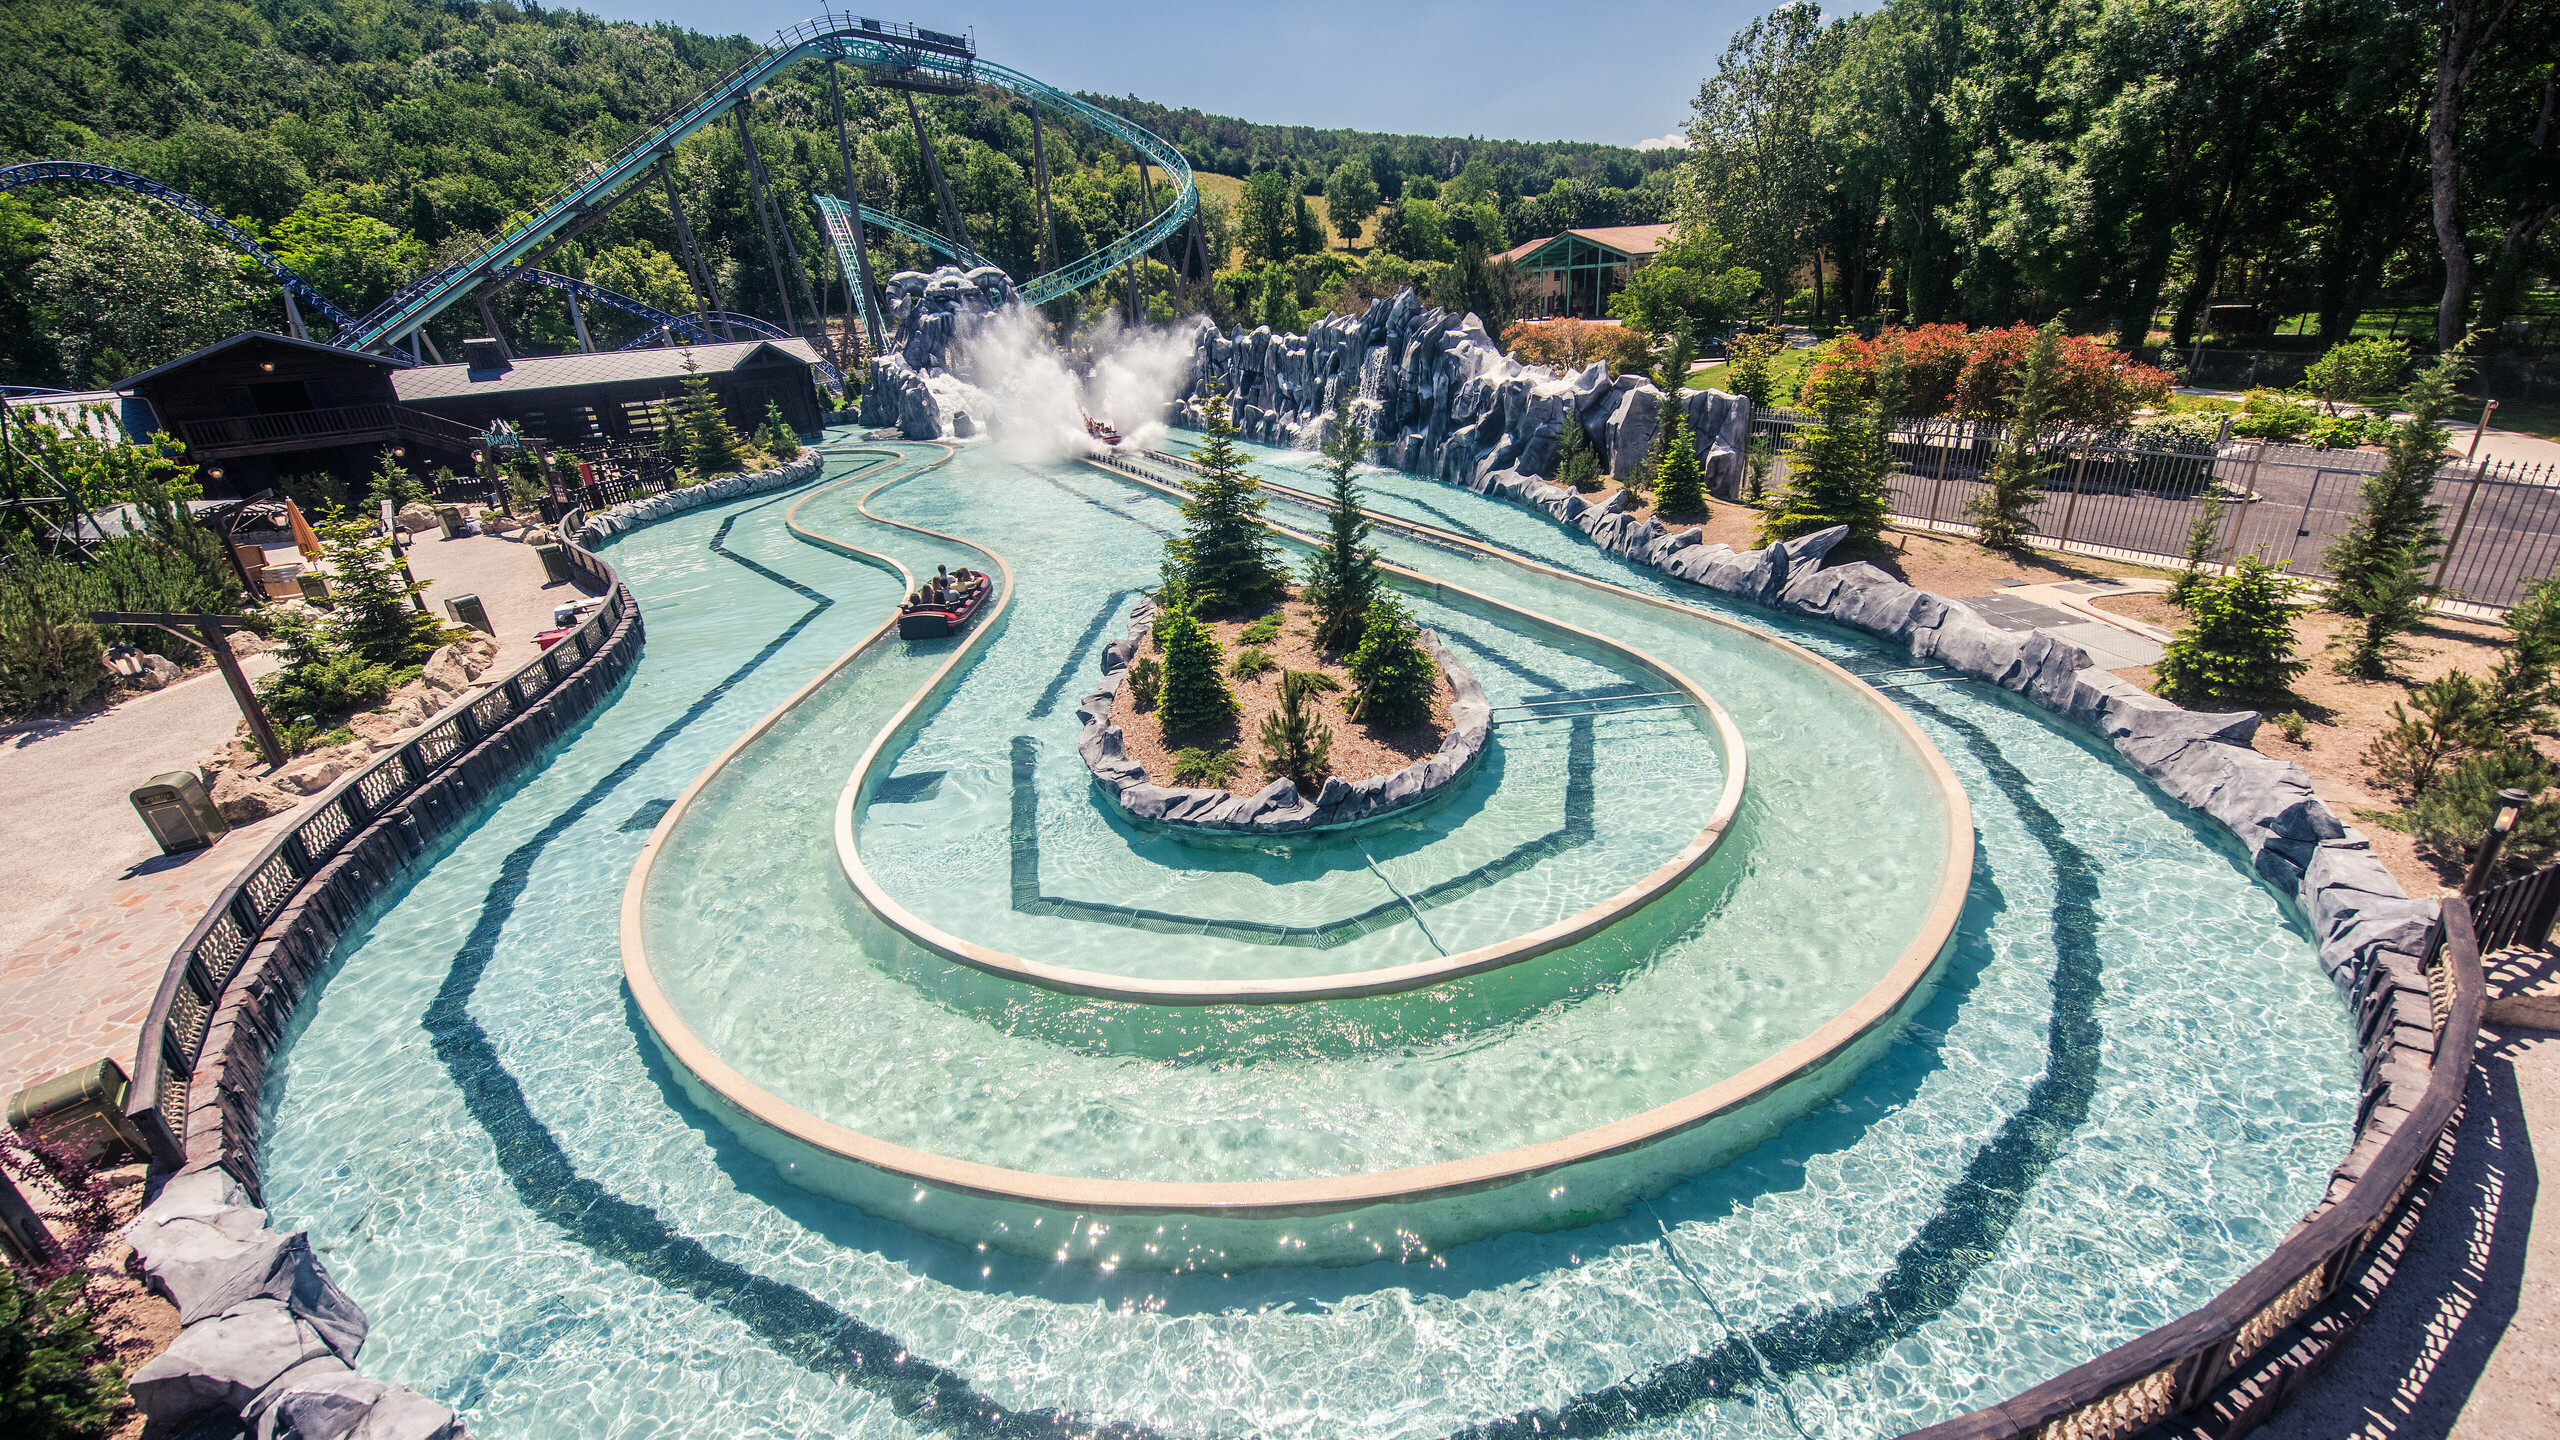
(631, 514)
(1276, 808)
(265, 1333)
(2356, 909)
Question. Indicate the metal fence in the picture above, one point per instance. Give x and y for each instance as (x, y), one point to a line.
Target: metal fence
(2285, 503)
(2507, 377)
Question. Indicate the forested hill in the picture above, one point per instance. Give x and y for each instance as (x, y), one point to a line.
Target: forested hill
(366, 140)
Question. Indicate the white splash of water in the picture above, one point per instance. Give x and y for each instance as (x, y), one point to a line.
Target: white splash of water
(1033, 403)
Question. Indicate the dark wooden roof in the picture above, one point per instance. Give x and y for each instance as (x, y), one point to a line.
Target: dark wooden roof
(554, 372)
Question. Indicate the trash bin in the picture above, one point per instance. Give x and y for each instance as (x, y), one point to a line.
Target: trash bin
(469, 610)
(180, 814)
(449, 519)
(315, 587)
(555, 563)
(83, 1109)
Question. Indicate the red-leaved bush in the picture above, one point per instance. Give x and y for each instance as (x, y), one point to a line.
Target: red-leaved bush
(1949, 370)
(1572, 344)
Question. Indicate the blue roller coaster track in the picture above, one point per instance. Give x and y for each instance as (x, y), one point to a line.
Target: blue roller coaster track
(902, 54)
(663, 327)
(86, 173)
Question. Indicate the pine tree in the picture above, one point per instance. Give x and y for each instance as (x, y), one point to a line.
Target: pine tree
(709, 445)
(2203, 538)
(1672, 418)
(371, 614)
(1836, 472)
(1683, 492)
(2018, 472)
(1194, 693)
(393, 482)
(2379, 568)
(774, 437)
(2238, 641)
(1225, 561)
(1296, 743)
(1391, 674)
(1342, 576)
(1577, 462)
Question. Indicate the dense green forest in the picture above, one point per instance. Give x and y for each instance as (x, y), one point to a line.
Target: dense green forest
(2126, 163)
(366, 141)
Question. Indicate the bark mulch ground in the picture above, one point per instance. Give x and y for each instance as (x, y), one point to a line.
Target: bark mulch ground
(1359, 751)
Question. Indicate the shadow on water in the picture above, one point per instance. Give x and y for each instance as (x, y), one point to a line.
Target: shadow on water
(1971, 1222)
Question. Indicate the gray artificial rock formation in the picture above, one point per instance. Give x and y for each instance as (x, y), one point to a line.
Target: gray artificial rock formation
(1277, 808)
(912, 389)
(266, 1334)
(1439, 398)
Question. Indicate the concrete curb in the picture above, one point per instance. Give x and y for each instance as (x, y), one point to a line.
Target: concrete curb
(631, 514)
(2355, 908)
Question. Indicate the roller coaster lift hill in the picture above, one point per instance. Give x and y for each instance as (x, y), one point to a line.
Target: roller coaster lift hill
(885, 54)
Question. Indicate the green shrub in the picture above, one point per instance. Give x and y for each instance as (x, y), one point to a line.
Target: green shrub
(1262, 631)
(774, 437)
(49, 652)
(2238, 641)
(1759, 462)
(1211, 768)
(322, 678)
(1836, 472)
(2274, 415)
(54, 1385)
(1295, 742)
(2183, 432)
(1252, 660)
(1146, 682)
(2450, 818)
(1684, 482)
(2356, 368)
(1391, 674)
(1194, 695)
(2294, 727)
(2455, 717)
(2343, 432)
(1577, 463)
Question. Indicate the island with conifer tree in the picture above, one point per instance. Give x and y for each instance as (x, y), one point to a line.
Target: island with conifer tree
(1244, 699)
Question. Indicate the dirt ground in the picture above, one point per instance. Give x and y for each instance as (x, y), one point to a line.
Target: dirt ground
(1359, 751)
(2346, 715)
(1947, 565)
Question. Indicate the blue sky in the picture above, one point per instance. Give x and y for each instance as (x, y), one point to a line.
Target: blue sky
(1502, 69)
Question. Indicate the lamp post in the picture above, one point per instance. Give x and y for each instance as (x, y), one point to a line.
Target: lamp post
(2511, 805)
(210, 629)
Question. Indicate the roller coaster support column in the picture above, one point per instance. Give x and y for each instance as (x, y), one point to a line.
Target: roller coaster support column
(1040, 160)
(293, 316)
(696, 273)
(490, 323)
(578, 317)
(764, 212)
(933, 167)
(868, 310)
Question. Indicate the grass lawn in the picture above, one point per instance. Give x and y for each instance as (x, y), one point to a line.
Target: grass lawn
(1788, 371)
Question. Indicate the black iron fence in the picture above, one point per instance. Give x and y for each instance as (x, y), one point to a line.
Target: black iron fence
(2110, 496)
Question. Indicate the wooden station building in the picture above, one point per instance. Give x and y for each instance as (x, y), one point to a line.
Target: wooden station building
(259, 406)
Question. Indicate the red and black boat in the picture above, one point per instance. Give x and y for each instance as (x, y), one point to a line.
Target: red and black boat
(944, 606)
(1100, 431)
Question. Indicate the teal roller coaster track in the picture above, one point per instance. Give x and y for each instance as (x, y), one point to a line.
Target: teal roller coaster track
(900, 56)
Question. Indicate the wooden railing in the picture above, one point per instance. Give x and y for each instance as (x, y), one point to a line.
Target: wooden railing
(215, 952)
(322, 427)
(2231, 1363)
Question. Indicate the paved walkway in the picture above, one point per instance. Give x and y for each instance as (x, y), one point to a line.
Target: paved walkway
(63, 788)
(2466, 1340)
(83, 985)
(90, 911)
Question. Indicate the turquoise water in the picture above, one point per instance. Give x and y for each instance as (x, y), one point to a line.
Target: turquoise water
(2127, 1087)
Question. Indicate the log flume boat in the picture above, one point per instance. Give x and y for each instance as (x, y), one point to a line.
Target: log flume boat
(944, 605)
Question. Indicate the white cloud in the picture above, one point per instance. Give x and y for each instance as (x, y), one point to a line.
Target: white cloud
(1673, 141)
